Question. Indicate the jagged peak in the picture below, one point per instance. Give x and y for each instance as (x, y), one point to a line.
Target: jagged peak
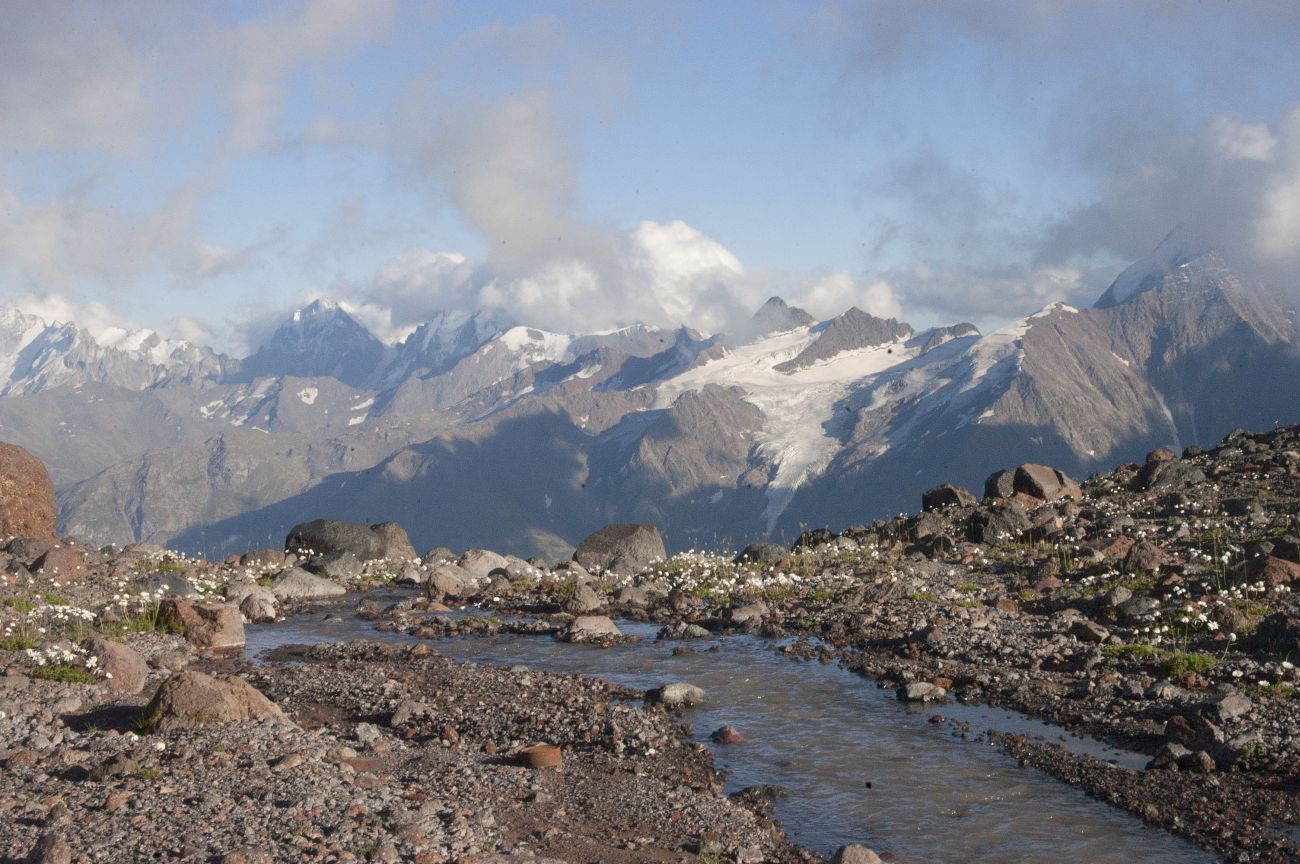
(1180, 247)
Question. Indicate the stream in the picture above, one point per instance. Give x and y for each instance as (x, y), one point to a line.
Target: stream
(860, 766)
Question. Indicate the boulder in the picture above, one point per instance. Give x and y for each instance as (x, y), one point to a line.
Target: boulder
(478, 564)
(26, 495)
(326, 537)
(1000, 484)
(1144, 557)
(396, 544)
(1167, 476)
(946, 495)
(750, 613)
(1045, 483)
(1089, 631)
(191, 698)
(632, 597)
(340, 565)
(591, 628)
(855, 854)
(621, 548)
(205, 625)
(297, 584)
(62, 563)
(921, 691)
(583, 601)
(1272, 570)
(28, 549)
(438, 555)
(121, 665)
(998, 523)
(676, 694)
(770, 554)
(445, 580)
(259, 605)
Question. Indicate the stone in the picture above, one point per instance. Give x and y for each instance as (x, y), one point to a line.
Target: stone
(477, 565)
(1232, 706)
(1272, 570)
(770, 554)
(1000, 484)
(592, 628)
(28, 549)
(632, 597)
(1144, 557)
(123, 668)
(998, 523)
(438, 555)
(812, 539)
(297, 584)
(191, 698)
(621, 548)
(446, 580)
(1045, 483)
(204, 625)
(259, 605)
(263, 559)
(1117, 596)
(946, 495)
(1169, 755)
(679, 693)
(1088, 631)
(726, 735)
(1160, 454)
(26, 496)
(921, 691)
(749, 613)
(396, 544)
(855, 854)
(326, 537)
(583, 601)
(62, 563)
(1167, 476)
(339, 565)
(50, 849)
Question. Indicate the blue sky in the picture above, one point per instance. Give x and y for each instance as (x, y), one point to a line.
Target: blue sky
(201, 168)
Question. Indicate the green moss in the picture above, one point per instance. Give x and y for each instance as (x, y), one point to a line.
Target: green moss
(55, 599)
(1135, 651)
(17, 642)
(1180, 664)
(926, 597)
(19, 604)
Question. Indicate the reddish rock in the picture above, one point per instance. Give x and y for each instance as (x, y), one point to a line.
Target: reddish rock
(1144, 557)
(1272, 570)
(205, 625)
(124, 669)
(1045, 483)
(26, 495)
(726, 735)
(62, 563)
(191, 698)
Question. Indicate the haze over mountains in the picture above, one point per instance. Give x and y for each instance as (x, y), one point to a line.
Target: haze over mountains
(473, 431)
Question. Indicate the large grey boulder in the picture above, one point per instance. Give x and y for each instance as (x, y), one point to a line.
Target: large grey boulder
(676, 694)
(478, 564)
(326, 538)
(592, 628)
(621, 548)
(297, 584)
(446, 580)
(259, 605)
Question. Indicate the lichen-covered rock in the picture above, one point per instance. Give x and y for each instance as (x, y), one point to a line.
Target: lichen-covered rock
(621, 548)
(191, 698)
(205, 625)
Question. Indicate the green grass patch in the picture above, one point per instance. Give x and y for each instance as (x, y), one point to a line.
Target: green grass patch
(968, 587)
(68, 673)
(1135, 651)
(16, 642)
(926, 597)
(1180, 664)
(55, 599)
(22, 605)
(1276, 690)
(966, 602)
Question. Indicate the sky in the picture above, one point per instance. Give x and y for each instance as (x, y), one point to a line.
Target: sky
(201, 168)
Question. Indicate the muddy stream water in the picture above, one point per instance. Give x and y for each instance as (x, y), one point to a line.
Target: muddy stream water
(860, 766)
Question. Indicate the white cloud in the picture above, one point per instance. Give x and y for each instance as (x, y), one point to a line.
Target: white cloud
(95, 317)
(825, 296)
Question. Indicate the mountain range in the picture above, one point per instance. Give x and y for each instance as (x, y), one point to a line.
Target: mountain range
(476, 431)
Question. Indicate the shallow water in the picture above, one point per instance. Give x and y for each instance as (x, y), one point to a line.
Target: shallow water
(860, 766)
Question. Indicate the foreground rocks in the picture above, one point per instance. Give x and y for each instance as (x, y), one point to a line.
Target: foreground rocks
(26, 495)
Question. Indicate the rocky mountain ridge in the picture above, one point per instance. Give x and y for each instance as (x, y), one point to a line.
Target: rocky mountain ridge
(472, 429)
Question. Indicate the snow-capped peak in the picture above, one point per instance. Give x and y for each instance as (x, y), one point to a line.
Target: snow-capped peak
(1181, 246)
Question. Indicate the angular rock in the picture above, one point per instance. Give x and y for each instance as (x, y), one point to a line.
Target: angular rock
(621, 548)
(191, 698)
(446, 580)
(26, 495)
(632, 596)
(339, 565)
(1144, 557)
(259, 605)
(204, 625)
(749, 613)
(1045, 483)
(1000, 484)
(123, 668)
(28, 549)
(297, 584)
(584, 600)
(1088, 631)
(1272, 570)
(62, 563)
(946, 495)
(1167, 476)
(52, 848)
(395, 542)
(998, 523)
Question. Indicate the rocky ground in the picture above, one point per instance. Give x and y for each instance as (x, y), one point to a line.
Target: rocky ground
(1150, 607)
